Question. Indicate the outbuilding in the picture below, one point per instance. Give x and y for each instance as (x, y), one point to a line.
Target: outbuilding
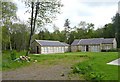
(94, 44)
(48, 47)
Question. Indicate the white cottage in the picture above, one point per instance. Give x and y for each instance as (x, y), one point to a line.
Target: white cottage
(48, 47)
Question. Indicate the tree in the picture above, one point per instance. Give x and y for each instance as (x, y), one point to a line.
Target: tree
(116, 22)
(19, 36)
(5, 40)
(108, 31)
(8, 16)
(82, 25)
(55, 28)
(67, 30)
(67, 23)
(90, 30)
(42, 12)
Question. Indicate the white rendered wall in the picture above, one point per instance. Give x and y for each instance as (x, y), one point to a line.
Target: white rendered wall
(50, 50)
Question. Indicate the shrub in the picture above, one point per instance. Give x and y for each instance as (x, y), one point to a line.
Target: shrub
(103, 50)
(78, 50)
(94, 76)
(83, 56)
(110, 50)
(13, 55)
(88, 71)
(82, 69)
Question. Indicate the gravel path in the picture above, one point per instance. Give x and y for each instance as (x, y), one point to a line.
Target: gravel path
(38, 71)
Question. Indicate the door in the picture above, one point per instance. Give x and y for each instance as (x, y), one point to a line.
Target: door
(87, 48)
(37, 50)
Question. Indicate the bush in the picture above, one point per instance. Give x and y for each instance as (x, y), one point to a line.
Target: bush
(103, 50)
(78, 50)
(83, 56)
(94, 76)
(88, 71)
(113, 50)
(110, 50)
(13, 55)
(82, 69)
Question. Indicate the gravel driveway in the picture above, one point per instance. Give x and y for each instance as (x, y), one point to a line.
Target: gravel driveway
(38, 71)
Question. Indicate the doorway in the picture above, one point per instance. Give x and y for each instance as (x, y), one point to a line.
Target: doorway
(87, 48)
(37, 50)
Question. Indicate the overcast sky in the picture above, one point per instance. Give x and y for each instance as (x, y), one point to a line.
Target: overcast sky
(98, 12)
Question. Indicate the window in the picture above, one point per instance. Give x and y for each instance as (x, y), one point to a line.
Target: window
(60, 49)
(43, 49)
(83, 48)
(55, 49)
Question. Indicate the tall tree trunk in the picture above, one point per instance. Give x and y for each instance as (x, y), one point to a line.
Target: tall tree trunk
(29, 43)
(10, 43)
(33, 22)
(5, 47)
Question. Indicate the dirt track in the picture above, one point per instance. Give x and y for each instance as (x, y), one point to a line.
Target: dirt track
(38, 71)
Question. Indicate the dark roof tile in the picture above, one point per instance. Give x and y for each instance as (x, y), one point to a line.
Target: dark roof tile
(65, 44)
(49, 43)
(92, 41)
(75, 42)
(108, 40)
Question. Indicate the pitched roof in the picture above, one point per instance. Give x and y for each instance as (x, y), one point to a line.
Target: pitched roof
(108, 40)
(65, 44)
(92, 41)
(49, 43)
(75, 42)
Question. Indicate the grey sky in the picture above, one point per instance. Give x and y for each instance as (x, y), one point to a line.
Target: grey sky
(96, 12)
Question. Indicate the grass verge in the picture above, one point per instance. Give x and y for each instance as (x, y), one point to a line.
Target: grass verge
(96, 68)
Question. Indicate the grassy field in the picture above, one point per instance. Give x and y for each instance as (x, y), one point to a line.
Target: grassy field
(96, 68)
(8, 64)
(92, 66)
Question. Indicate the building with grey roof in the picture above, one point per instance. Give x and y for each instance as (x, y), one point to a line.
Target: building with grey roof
(48, 46)
(94, 44)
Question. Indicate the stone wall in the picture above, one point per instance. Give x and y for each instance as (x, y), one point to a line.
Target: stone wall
(74, 48)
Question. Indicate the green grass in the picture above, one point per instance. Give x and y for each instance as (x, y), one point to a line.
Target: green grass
(8, 64)
(92, 64)
(51, 59)
(0, 61)
(96, 67)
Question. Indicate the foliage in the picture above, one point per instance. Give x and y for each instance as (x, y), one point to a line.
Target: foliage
(8, 64)
(42, 12)
(88, 71)
(111, 50)
(116, 23)
(16, 35)
(22, 31)
(96, 68)
(9, 10)
(67, 23)
(67, 30)
(13, 55)
(78, 50)
(95, 76)
(93, 63)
